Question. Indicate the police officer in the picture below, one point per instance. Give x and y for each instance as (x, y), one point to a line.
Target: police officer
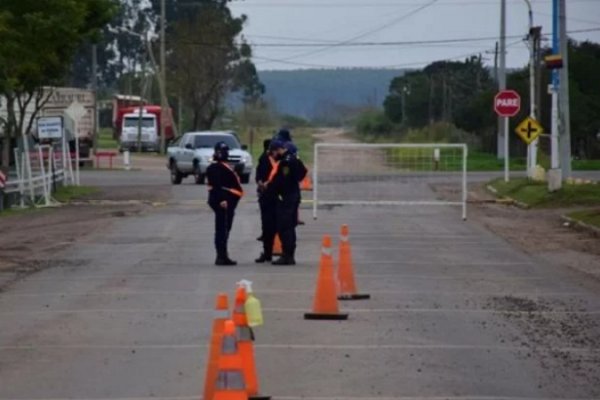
(286, 187)
(225, 191)
(267, 200)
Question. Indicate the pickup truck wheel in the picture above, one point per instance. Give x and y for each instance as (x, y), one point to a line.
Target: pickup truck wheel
(245, 178)
(199, 177)
(176, 176)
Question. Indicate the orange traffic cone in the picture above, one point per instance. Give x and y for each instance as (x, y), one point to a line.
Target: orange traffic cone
(245, 336)
(229, 383)
(221, 315)
(306, 183)
(326, 304)
(277, 248)
(346, 271)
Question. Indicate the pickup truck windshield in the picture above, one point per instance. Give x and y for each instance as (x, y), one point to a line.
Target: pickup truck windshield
(209, 141)
(133, 122)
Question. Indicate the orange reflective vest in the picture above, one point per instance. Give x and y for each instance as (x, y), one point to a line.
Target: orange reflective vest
(236, 192)
(274, 169)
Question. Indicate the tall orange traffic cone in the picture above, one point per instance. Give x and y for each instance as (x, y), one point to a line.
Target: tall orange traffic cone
(277, 248)
(229, 383)
(245, 336)
(347, 283)
(221, 315)
(326, 303)
(306, 183)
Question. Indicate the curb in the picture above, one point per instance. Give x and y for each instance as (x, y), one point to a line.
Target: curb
(580, 226)
(507, 200)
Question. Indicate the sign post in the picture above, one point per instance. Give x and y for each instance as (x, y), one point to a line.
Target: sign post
(529, 130)
(507, 104)
(76, 111)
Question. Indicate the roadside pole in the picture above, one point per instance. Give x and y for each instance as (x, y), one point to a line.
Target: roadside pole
(564, 108)
(76, 127)
(532, 148)
(95, 89)
(502, 86)
(555, 174)
(163, 98)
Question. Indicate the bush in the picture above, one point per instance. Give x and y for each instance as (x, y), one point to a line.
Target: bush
(442, 132)
(374, 122)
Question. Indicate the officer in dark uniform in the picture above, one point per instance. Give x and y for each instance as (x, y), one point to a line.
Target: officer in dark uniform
(225, 191)
(267, 200)
(286, 187)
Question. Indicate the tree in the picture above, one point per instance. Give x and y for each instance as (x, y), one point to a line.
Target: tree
(37, 42)
(119, 52)
(208, 59)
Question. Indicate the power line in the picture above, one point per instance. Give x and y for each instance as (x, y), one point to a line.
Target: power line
(367, 33)
(383, 43)
(395, 66)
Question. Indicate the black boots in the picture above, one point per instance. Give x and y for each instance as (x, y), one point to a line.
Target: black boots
(263, 259)
(284, 260)
(225, 261)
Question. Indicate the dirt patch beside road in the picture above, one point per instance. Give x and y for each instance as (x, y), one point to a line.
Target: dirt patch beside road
(29, 240)
(540, 232)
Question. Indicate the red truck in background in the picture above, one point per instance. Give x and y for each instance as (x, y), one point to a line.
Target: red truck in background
(127, 118)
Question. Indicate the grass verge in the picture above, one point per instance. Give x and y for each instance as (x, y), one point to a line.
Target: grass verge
(589, 217)
(535, 194)
(65, 194)
(105, 139)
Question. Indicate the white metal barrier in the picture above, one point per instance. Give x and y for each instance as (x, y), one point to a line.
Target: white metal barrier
(37, 172)
(390, 174)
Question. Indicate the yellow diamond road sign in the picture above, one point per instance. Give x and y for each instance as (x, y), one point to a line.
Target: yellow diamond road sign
(529, 130)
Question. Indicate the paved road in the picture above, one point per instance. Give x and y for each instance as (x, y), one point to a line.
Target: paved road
(456, 312)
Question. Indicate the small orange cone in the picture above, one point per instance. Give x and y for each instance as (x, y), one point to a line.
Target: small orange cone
(346, 271)
(306, 184)
(245, 336)
(277, 248)
(326, 303)
(229, 382)
(221, 315)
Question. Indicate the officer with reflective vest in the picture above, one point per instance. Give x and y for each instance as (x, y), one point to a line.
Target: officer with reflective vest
(285, 184)
(267, 200)
(225, 191)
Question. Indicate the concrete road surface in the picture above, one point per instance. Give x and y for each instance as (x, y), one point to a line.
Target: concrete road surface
(456, 312)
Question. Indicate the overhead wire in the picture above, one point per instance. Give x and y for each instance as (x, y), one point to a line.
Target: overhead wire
(367, 33)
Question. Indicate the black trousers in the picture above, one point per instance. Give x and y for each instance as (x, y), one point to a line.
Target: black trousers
(268, 218)
(287, 220)
(223, 223)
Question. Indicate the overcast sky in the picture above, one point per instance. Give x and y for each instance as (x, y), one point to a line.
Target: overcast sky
(327, 22)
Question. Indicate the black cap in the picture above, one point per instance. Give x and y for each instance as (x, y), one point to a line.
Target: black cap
(276, 144)
(221, 151)
(284, 135)
(266, 144)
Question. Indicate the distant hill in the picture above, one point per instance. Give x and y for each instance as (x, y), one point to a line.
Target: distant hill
(311, 93)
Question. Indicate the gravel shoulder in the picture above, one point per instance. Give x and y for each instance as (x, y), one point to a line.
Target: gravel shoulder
(31, 238)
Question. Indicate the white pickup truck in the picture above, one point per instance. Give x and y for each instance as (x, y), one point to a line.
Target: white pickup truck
(192, 153)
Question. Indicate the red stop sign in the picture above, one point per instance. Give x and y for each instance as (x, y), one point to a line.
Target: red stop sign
(507, 103)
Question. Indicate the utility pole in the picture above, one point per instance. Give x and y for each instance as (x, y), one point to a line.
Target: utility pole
(163, 99)
(503, 144)
(538, 71)
(564, 109)
(532, 148)
(496, 64)
(95, 89)
(555, 175)
(405, 91)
